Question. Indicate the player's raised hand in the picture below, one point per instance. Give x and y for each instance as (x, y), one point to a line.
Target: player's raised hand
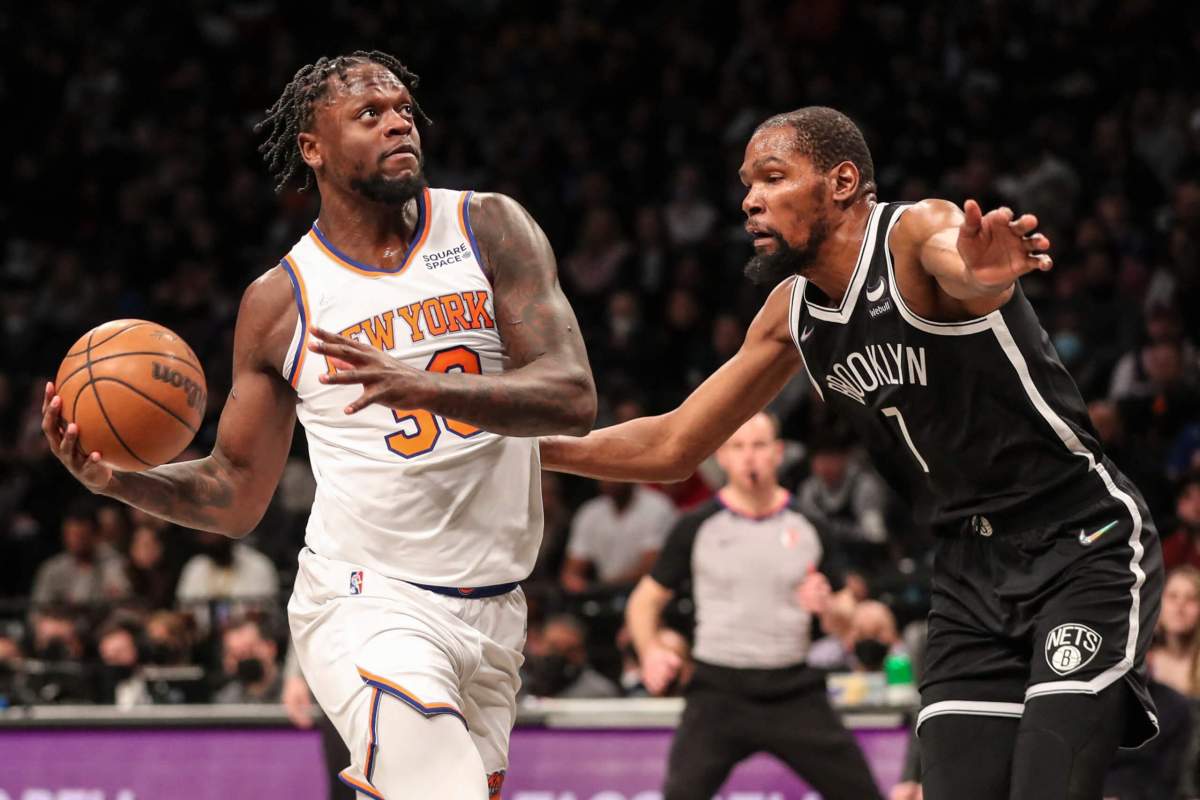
(384, 379)
(998, 248)
(86, 467)
(659, 667)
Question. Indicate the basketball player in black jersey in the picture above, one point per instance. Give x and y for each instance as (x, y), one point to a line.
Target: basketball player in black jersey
(909, 320)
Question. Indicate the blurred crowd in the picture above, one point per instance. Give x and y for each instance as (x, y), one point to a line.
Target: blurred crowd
(135, 191)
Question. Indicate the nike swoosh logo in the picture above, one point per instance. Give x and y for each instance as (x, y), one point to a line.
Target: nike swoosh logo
(876, 293)
(1086, 538)
(807, 332)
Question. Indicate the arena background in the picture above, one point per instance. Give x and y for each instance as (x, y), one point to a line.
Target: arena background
(134, 189)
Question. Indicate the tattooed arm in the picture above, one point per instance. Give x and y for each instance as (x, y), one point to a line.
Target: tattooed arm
(228, 491)
(547, 385)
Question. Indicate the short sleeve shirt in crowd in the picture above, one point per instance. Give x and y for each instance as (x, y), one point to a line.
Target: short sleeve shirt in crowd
(743, 572)
(614, 540)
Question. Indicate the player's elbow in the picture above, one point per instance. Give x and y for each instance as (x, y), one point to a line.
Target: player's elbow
(240, 525)
(580, 404)
(678, 462)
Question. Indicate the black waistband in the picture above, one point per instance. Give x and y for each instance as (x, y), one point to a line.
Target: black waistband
(477, 593)
(1050, 509)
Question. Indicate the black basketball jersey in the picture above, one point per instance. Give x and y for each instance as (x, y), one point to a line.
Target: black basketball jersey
(966, 418)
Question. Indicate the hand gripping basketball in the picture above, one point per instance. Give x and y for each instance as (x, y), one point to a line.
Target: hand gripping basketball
(86, 467)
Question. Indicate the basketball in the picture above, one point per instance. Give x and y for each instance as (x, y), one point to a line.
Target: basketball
(136, 391)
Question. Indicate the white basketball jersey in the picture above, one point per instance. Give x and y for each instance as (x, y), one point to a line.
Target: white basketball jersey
(406, 492)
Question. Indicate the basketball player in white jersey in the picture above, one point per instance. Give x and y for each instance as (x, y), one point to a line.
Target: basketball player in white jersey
(421, 338)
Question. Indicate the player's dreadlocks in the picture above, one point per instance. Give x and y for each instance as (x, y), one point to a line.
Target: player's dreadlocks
(292, 113)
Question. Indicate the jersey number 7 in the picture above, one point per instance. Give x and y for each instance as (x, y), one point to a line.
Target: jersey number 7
(421, 436)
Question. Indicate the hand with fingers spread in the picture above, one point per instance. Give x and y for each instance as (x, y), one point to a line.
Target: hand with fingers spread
(998, 248)
(384, 379)
(64, 443)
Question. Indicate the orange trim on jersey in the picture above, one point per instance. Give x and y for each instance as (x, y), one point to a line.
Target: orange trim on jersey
(400, 693)
(425, 214)
(365, 788)
(293, 272)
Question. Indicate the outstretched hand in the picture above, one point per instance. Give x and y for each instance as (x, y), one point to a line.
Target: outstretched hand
(998, 248)
(384, 379)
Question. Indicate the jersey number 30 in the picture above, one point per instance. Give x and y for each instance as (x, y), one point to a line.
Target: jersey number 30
(421, 429)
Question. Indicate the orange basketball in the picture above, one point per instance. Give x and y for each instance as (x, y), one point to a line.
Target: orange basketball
(136, 391)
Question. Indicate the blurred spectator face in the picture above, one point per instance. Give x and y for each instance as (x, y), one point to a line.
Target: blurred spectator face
(829, 466)
(113, 524)
(624, 315)
(1164, 364)
(1187, 507)
(140, 519)
(10, 651)
(873, 620)
(600, 229)
(79, 538)
(620, 492)
(1163, 325)
(1186, 202)
(751, 457)
(217, 547)
(627, 410)
(55, 638)
(246, 655)
(118, 649)
(566, 640)
(1105, 420)
(166, 635)
(727, 336)
(145, 549)
(687, 183)
(355, 155)
(682, 309)
(648, 226)
(1181, 604)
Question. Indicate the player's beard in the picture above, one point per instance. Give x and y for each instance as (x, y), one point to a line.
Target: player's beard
(392, 191)
(768, 269)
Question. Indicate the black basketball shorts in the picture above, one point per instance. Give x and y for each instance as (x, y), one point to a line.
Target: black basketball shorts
(1021, 612)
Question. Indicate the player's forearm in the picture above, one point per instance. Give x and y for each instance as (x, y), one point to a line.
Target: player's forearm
(200, 494)
(540, 399)
(638, 450)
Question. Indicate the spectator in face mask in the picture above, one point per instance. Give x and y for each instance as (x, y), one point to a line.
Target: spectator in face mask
(248, 657)
(560, 668)
(167, 639)
(874, 636)
(57, 650)
(118, 680)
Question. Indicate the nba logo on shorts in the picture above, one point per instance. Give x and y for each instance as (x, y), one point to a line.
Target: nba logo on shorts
(1071, 646)
(356, 581)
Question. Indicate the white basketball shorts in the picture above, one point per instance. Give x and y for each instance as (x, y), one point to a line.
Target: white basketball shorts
(361, 637)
